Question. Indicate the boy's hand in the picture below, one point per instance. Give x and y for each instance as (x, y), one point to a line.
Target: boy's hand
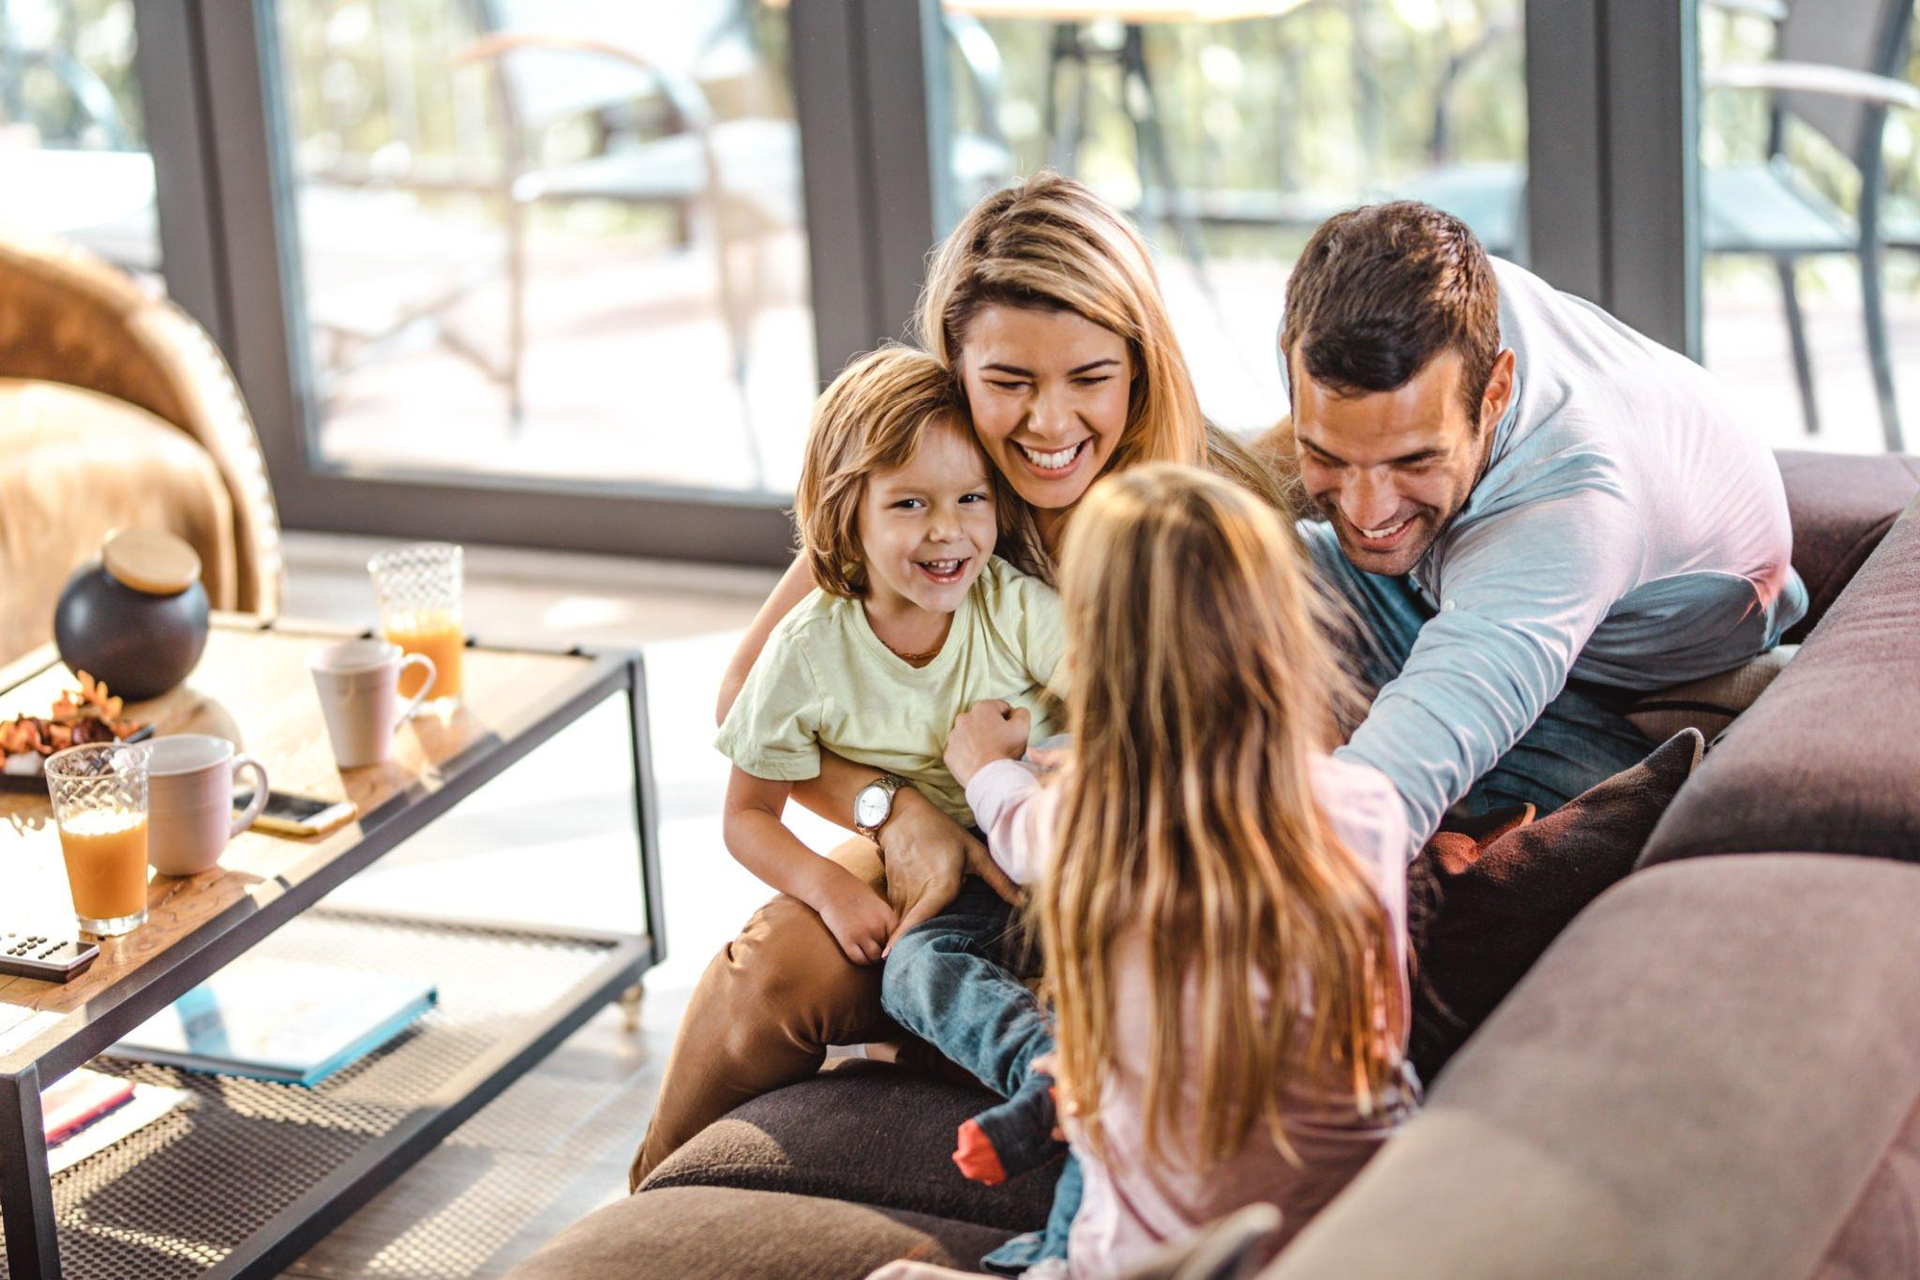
(985, 732)
(859, 919)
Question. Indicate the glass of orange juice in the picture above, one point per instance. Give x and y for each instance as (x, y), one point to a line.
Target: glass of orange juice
(100, 805)
(420, 591)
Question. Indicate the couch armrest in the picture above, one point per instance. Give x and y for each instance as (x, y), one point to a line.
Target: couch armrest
(1825, 761)
(1700, 1077)
(1841, 506)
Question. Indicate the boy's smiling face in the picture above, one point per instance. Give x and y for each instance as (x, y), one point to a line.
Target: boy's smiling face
(926, 529)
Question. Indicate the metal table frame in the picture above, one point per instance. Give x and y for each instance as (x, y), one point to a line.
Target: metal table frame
(26, 1189)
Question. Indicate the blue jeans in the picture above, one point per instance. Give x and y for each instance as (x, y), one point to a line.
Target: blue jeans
(956, 982)
(1581, 738)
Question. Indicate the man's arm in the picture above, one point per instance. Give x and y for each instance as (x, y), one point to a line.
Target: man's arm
(1520, 595)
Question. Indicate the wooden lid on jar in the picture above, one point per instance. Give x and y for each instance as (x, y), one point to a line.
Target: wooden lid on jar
(150, 561)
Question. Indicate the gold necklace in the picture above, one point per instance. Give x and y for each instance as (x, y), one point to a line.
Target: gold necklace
(915, 659)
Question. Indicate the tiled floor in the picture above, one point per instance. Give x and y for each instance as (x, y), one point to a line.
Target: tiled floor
(556, 1144)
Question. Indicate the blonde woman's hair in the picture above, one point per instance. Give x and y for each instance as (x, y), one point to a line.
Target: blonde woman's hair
(1201, 691)
(1051, 244)
(872, 418)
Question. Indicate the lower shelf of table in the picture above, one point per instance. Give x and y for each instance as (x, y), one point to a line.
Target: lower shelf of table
(247, 1174)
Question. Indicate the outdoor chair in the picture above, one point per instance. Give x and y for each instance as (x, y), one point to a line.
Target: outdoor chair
(1836, 70)
(738, 175)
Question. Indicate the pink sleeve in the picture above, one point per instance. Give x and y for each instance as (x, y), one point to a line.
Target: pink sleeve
(1015, 812)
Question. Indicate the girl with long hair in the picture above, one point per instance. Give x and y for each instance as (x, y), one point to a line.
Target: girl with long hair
(1221, 904)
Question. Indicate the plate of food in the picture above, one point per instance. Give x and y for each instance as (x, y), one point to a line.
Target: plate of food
(79, 716)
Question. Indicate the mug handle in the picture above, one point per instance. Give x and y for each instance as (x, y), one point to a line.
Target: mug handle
(259, 801)
(433, 674)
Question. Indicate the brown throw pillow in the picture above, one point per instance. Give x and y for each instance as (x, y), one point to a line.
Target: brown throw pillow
(1482, 910)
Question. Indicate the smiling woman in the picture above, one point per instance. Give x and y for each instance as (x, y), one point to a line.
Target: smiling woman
(1045, 304)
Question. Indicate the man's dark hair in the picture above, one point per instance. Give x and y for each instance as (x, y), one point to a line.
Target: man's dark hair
(1381, 290)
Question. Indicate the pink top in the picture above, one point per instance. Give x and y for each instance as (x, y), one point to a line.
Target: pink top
(1132, 1206)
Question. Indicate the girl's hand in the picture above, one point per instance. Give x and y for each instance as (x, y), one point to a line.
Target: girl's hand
(859, 919)
(985, 732)
(927, 855)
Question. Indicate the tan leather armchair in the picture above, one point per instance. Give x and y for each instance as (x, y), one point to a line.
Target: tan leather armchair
(117, 410)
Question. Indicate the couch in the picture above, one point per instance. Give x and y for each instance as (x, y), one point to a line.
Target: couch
(117, 410)
(1714, 1071)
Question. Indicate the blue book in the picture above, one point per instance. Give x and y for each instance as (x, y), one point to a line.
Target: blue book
(280, 1021)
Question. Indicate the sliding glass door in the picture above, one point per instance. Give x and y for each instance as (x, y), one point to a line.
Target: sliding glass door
(568, 274)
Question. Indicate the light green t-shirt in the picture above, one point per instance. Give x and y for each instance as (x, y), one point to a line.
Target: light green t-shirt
(825, 680)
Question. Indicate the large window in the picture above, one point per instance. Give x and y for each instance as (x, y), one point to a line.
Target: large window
(1230, 131)
(569, 273)
(548, 241)
(73, 158)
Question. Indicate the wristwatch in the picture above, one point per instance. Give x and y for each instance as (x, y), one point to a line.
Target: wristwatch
(874, 805)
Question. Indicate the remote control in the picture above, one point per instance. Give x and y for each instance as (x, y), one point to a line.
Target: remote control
(33, 955)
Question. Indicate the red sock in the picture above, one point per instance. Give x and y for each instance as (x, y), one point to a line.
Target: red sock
(976, 1157)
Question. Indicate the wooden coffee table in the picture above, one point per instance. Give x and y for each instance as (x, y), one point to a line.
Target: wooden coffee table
(247, 1176)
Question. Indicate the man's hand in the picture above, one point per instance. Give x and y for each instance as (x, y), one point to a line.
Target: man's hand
(985, 732)
(859, 919)
(927, 854)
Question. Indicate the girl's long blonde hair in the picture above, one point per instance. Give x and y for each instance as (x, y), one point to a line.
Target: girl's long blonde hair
(1201, 690)
(1052, 244)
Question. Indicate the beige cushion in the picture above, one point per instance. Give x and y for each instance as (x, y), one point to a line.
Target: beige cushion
(1709, 704)
(80, 465)
(67, 317)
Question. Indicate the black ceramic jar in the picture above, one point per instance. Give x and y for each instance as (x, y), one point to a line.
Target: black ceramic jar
(136, 619)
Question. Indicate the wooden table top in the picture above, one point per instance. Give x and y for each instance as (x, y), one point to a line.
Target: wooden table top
(252, 685)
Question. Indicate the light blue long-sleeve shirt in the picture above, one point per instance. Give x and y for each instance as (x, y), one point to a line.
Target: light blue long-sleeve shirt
(1627, 531)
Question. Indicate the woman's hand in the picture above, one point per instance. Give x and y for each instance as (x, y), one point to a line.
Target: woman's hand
(927, 855)
(859, 919)
(985, 732)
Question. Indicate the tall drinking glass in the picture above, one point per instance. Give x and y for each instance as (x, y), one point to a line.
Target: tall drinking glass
(420, 591)
(100, 805)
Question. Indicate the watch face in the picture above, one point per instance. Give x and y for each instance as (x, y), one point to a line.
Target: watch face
(871, 806)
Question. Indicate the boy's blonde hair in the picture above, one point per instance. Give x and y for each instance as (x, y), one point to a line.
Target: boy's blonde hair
(872, 418)
(1049, 243)
(1202, 690)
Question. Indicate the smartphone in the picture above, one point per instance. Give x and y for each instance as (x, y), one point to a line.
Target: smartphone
(292, 815)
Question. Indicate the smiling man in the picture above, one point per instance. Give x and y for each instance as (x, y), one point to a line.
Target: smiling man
(1535, 512)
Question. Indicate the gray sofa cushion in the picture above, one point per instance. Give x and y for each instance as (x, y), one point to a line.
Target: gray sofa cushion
(861, 1131)
(1701, 1077)
(1824, 761)
(724, 1234)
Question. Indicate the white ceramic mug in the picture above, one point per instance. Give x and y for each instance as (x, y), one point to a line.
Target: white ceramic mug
(359, 686)
(190, 816)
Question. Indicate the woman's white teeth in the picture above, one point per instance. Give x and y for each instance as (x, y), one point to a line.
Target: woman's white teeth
(1387, 532)
(1051, 461)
